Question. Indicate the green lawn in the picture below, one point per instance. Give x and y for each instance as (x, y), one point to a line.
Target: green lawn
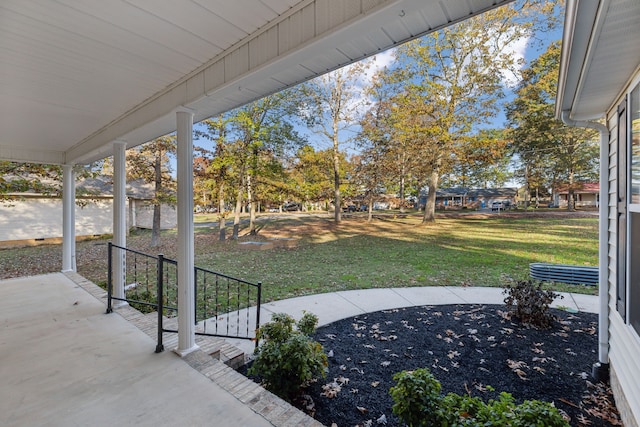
(458, 251)
(402, 252)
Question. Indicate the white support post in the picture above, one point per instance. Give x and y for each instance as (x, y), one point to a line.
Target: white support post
(186, 291)
(68, 219)
(119, 220)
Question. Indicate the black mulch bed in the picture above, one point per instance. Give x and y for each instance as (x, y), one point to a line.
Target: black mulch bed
(472, 349)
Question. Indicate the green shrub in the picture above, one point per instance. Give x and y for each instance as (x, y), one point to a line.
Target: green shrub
(418, 402)
(417, 396)
(288, 358)
(534, 413)
(529, 303)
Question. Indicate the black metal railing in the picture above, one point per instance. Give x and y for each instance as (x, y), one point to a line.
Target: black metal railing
(224, 306)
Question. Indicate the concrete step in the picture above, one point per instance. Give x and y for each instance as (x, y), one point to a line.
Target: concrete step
(216, 347)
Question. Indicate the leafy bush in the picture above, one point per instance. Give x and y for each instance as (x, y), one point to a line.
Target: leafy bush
(419, 402)
(417, 396)
(529, 303)
(288, 358)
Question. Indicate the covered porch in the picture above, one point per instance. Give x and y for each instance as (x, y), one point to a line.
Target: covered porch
(64, 362)
(85, 81)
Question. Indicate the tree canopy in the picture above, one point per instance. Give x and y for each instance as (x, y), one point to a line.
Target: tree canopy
(552, 154)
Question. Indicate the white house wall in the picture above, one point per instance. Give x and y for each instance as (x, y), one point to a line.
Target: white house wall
(143, 215)
(624, 346)
(41, 218)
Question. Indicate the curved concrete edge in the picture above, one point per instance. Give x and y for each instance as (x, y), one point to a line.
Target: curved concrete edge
(333, 306)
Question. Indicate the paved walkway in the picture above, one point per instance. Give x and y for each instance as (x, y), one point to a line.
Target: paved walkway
(333, 306)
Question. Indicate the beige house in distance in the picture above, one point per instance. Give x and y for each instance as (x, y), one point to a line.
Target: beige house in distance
(586, 196)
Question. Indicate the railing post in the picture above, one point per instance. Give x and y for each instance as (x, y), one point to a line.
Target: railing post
(160, 302)
(195, 296)
(109, 277)
(258, 311)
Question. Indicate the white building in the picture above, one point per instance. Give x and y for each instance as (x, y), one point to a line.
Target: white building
(30, 218)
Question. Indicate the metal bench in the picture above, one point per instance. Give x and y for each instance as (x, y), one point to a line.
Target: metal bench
(562, 273)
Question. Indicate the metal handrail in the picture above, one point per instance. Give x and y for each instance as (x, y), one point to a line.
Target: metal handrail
(162, 284)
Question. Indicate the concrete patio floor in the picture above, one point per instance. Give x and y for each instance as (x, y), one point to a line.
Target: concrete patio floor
(66, 363)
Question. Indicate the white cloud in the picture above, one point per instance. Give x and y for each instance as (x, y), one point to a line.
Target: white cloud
(518, 49)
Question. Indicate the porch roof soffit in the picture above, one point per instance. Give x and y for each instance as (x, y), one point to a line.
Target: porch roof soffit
(600, 53)
(76, 76)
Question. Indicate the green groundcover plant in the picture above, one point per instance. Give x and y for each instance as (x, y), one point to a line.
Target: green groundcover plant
(418, 401)
(288, 358)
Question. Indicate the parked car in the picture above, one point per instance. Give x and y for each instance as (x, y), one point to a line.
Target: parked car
(349, 208)
(501, 206)
(291, 206)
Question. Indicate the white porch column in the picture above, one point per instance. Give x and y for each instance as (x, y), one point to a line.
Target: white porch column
(186, 292)
(68, 219)
(119, 219)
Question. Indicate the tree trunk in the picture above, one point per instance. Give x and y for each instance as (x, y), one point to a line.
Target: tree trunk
(402, 183)
(526, 187)
(221, 213)
(336, 181)
(571, 203)
(236, 213)
(430, 205)
(252, 206)
(370, 217)
(155, 228)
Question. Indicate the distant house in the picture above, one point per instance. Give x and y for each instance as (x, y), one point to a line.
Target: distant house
(451, 198)
(585, 195)
(460, 197)
(483, 197)
(32, 217)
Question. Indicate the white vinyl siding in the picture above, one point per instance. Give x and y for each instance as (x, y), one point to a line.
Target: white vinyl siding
(41, 218)
(624, 342)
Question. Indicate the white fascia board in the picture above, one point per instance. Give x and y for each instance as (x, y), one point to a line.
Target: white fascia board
(579, 34)
(18, 154)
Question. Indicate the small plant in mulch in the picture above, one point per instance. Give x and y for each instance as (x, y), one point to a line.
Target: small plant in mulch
(419, 402)
(530, 304)
(288, 358)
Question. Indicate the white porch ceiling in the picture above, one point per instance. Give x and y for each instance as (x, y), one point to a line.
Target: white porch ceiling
(76, 75)
(601, 49)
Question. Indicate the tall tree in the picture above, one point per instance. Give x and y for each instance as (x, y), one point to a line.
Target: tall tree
(552, 154)
(375, 164)
(481, 159)
(263, 131)
(456, 78)
(311, 180)
(331, 108)
(150, 163)
(212, 169)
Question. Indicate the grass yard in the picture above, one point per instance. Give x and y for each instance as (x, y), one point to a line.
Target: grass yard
(465, 250)
(401, 252)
